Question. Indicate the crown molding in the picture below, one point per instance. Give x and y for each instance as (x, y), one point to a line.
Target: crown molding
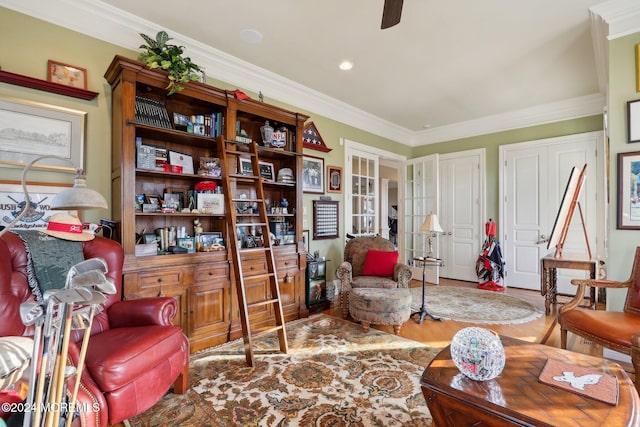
(104, 22)
(583, 106)
(622, 17)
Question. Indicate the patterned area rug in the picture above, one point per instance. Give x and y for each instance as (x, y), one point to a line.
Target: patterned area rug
(473, 305)
(334, 375)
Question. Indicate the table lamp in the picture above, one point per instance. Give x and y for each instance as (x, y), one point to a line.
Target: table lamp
(78, 197)
(431, 226)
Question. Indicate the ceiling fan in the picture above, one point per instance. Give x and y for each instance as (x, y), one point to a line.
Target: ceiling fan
(391, 13)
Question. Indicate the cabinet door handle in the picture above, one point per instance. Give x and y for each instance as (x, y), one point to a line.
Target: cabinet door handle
(159, 279)
(211, 273)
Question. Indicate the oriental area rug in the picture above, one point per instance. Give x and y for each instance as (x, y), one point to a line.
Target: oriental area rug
(334, 375)
(473, 305)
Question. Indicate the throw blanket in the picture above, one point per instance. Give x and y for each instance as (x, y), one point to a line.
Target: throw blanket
(48, 260)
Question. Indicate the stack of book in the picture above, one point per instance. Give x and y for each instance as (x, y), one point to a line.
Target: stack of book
(152, 113)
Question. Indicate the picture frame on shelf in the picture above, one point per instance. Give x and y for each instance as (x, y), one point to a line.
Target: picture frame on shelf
(267, 171)
(65, 74)
(629, 191)
(313, 174)
(633, 120)
(210, 166)
(244, 166)
(334, 179)
(181, 159)
(34, 126)
(153, 199)
(12, 201)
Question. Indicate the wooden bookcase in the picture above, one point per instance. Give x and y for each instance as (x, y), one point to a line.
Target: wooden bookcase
(201, 282)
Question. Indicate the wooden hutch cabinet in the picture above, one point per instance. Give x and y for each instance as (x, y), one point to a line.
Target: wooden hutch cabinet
(201, 282)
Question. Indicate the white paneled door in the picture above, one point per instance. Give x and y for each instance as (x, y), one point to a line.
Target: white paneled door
(533, 182)
(461, 213)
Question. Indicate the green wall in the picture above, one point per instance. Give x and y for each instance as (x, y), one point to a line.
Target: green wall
(493, 141)
(622, 88)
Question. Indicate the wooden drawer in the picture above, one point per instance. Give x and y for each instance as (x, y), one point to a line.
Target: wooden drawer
(253, 266)
(212, 273)
(161, 278)
(287, 262)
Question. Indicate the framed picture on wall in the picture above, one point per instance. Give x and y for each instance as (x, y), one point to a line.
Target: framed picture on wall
(313, 174)
(334, 179)
(12, 202)
(37, 129)
(629, 191)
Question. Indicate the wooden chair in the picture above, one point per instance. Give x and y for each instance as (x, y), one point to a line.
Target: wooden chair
(619, 331)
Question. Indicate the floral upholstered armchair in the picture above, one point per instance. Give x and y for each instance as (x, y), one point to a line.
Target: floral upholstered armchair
(370, 262)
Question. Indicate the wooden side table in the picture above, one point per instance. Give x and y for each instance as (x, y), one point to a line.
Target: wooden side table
(517, 398)
(549, 275)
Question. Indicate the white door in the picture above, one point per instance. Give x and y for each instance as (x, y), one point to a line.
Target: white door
(534, 179)
(461, 210)
(421, 199)
(362, 194)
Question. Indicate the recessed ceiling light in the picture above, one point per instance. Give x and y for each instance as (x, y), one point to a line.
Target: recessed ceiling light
(250, 36)
(426, 126)
(346, 65)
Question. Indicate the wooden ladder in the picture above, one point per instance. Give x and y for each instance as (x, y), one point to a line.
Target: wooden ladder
(239, 219)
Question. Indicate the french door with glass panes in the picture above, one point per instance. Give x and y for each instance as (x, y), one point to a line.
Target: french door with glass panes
(421, 199)
(362, 195)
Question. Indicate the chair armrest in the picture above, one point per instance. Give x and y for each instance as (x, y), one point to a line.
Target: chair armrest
(143, 312)
(344, 272)
(402, 274)
(582, 285)
(601, 283)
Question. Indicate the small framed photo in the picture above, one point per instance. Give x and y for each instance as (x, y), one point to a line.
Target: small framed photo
(629, 191)
(189, 243)
(334, 179)
(140, 200)
(633, 120)
(245, 166)
(267, 172)
(313, 174)
(65, 74)
(210, 166)
(181, 159)
(172, 201)
(153, 199)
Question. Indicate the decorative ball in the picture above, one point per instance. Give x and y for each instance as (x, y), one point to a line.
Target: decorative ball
(478, 353)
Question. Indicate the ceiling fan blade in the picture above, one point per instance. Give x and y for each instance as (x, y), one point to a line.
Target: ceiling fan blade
(391, 13)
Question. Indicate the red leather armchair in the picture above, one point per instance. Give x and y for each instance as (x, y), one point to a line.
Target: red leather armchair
(135, 353)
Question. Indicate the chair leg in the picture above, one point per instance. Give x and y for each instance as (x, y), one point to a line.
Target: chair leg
(563, 338)
(396, 329)
(344, 302)
(181, 384)
(365, 326)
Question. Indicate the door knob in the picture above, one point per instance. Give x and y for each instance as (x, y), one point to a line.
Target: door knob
(543, 239)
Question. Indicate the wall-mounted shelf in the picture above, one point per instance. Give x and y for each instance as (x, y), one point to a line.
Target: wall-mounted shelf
(33, 83)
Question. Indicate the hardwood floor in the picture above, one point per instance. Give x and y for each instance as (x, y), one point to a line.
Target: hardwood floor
(439, 334)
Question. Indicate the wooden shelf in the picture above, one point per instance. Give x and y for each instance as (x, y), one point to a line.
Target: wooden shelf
(46, 86)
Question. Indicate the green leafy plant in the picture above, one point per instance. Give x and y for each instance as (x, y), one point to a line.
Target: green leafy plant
(161, 55)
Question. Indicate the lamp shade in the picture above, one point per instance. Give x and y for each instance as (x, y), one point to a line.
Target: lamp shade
(79, 197)
(431, 224)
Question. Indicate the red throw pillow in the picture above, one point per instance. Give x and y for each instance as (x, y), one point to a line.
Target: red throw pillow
(379, 263)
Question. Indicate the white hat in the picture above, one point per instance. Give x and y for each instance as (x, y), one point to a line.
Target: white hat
(67, 227)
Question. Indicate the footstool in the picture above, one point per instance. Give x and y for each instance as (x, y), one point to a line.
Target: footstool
(380, 307)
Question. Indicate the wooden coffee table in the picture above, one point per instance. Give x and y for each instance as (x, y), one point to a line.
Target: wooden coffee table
(516, 397)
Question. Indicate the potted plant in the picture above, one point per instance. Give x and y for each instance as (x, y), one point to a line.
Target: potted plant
(158, 54)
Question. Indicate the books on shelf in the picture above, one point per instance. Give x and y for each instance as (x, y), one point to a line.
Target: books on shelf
(151, 112)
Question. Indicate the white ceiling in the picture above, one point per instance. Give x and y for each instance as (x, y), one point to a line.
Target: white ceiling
(447, 65)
